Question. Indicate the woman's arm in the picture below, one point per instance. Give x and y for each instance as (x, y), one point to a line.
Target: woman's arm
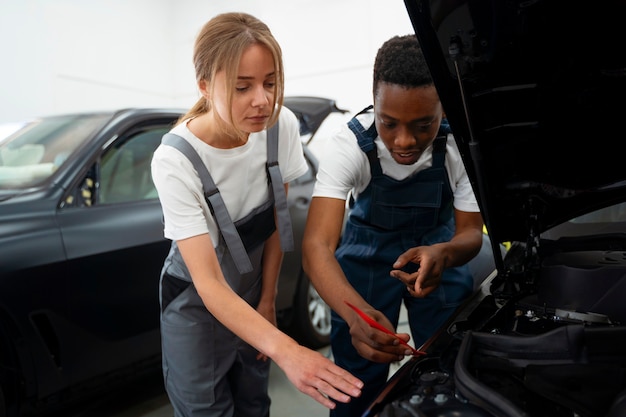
(308, 370)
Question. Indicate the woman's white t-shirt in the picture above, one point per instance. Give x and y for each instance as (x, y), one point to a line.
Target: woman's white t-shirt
(239, 174)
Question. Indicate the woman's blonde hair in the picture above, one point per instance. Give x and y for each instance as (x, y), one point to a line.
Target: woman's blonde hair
(219, 46)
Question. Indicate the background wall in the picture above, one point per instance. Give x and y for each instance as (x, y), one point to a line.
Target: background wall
(72, 55)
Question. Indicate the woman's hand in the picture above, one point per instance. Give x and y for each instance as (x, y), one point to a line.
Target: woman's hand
(318, 377)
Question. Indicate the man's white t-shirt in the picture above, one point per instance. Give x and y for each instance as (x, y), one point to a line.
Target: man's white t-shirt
(239, 174)
(344, 167)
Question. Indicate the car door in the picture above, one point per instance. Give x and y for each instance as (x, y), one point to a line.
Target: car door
(113, 237)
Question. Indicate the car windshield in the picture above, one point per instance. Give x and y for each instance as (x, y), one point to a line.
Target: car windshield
(31, 154)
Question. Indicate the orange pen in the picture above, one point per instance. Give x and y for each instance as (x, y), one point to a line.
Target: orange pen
(378, 326)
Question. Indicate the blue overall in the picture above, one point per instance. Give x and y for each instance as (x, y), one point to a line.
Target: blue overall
(207, 369)
(388, 218)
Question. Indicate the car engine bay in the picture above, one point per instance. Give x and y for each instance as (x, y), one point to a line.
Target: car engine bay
(544, 341)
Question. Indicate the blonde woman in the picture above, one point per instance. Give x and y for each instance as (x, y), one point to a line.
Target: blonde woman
(218, 284)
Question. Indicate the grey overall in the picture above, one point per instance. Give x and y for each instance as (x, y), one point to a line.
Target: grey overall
(208, 370)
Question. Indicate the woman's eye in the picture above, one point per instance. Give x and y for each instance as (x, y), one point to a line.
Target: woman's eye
(241, 88)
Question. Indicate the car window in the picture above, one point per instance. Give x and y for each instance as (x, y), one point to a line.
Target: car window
(31, 154)
(122, 174)
(125, 170)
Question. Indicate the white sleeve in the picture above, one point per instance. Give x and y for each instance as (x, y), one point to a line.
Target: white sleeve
(290, 155)
(464, 198)
(343, 166)
(180, 193)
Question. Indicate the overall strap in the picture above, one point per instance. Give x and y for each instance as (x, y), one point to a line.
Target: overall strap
(365, 139)
(216, 203)
(439, 144)
(439, 151)
(283, 219)
(364, 136)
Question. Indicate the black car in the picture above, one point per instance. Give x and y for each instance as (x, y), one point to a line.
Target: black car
(82, 248)
(534, 94)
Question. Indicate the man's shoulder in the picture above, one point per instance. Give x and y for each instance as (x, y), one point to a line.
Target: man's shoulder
(366, 119)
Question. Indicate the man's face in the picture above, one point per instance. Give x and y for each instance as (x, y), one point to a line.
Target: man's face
(407, 119)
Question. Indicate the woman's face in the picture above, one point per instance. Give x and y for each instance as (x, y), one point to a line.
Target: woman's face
(253, 98)
(407, 119)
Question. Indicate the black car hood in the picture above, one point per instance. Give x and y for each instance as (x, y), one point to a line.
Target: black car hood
(540, 147)
(311, 111)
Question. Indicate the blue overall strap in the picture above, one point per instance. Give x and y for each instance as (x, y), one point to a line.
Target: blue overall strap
(363, 136)
(216, 203)
(439, 144)
(365, 139)
(283, 219)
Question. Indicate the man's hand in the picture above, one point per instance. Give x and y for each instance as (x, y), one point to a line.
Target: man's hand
(431, 263)
(375, 345)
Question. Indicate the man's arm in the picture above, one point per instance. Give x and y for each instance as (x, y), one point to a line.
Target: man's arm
(321, 237)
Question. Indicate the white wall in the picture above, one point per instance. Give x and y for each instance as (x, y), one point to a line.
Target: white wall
(73, 55)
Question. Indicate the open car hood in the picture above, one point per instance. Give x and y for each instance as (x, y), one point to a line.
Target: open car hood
(311, 111)
(534, 93)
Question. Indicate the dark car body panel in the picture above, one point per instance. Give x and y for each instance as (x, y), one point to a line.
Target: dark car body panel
(83, 317)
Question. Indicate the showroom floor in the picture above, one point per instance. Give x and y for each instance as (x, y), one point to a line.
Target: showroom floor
(287, 401)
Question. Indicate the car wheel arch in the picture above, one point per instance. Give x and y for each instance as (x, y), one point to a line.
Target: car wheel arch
(310, 321)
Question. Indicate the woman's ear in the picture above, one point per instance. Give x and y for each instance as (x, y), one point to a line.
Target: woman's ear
(203, 87)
